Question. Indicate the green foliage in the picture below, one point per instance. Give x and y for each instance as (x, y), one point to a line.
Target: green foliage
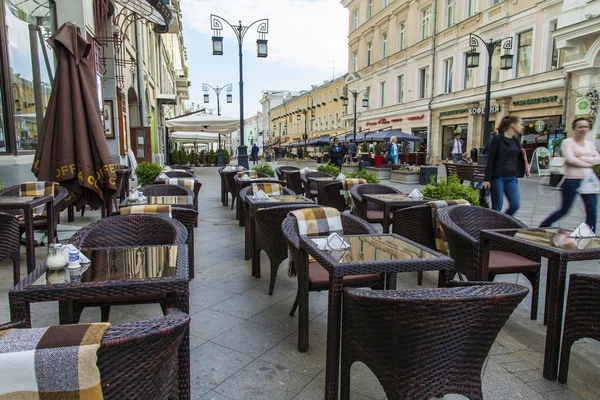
(193, 158)
(556, 143)
(211, 157)
(183, 157)
(1, 185)
(378, 149)
(175, 157)
(264, 168)
(370, 178)
(364, 147)
(226, 157)
(147, 172)
(202, 157)
(451, 189)
(596, 170)
(330, 169)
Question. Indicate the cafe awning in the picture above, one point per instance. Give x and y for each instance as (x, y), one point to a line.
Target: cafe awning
(155, 11)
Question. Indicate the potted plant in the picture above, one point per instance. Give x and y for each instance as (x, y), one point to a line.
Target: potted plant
(202, 158)
(382, 171)
(451, 189)
(407, 174)
(330, 169)
(226, 157)
(174, 157)
(211, 157)
(364, 149)
(193, 158)
(349, 168)
(147, 172)
(378, 160)
(264, 168)
(370, 178)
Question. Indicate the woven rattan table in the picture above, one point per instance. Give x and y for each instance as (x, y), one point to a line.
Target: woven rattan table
(253, 205)
(27, 204)
(178, 201)
(369, 254)
(127, 271)
(242, 183)
(391, 202)
(556, 245)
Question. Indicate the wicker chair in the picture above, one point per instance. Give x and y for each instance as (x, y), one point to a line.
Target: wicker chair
(268, 235)
(40, 222)
(313, 277)
(415, 223)
(232, 186)
(294, 181)
(373, 213)
(183, 167)
(179, 174)
(284, 170)
(223, 188)
(122, 231)
(263, 178)
(10, 243)
(311, 189)
(330, 196)
(582, 318)
(424, 343)
(166, 190)
(462, 226)
(143, 359)
(123, 176)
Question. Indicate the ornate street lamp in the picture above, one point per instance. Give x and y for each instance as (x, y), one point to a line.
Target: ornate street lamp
(218, 90)
(216, 24)
(355, 93)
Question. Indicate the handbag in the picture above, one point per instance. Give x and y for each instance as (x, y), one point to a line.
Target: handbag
(558, 166)
(590, 184)
(484, 198)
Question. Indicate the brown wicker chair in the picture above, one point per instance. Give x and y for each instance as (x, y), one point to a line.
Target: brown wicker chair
(10, 243)
(372, 213)
(311, 189)
(582, 318)
(142, 360)
(294, 181)
(330, 196)
(268, 235)
(232, 186)
(424, 343)
(284, 170)
(183, 167)
(462, 226)
(166, 190)
(179, 174)
(121, 231)
(313, 277)
(415, 223)
(40, 222)
(263, 178)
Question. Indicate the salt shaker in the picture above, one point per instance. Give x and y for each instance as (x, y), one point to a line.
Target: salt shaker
(74, 261)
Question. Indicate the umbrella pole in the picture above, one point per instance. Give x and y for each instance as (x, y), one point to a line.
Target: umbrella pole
(220, 154)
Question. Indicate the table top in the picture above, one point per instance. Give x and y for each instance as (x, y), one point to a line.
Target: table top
(393, 197)
(279, 199)
(24, 201)
(162, 200)
(551, 239)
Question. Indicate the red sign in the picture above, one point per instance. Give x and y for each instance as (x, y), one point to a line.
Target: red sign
(397, 120)
(416, 117)
(371, 123)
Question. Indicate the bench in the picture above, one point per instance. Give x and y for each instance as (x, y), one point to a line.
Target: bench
(466, 172)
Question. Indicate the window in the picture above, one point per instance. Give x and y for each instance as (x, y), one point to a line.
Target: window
(423, 82)
(382, 94)
(319, 102)
(402, 35)
(354, 61)
(494, 2)
(451, 7)
(330, 95)
(367, 91)
(524, 41)
(369, 45)
(370, 9)
(384, 45)
(496, 65)
(557, 55)
(448, 75)
(331, 121)
(425, 22)
(384, 3)
(469, 81)
(335, 121)
(325, 97)
(355, 24)
(319, 124)
(471, 8)
(400, 89)
(337, 94)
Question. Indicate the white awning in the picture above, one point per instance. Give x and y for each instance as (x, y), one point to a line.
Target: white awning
(193, 137)
(203, 123)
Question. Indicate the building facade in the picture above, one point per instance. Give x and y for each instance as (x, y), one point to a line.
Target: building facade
(411, 58)
(271, 99)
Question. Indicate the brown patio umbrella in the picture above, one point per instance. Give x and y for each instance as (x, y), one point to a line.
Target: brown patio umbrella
(72, 147)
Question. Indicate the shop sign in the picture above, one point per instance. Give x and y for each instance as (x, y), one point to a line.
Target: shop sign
(481, 110)
(371, 123)
(454, 112)
(539, 126)
(536, 100)
(416, 117)
(582, 106)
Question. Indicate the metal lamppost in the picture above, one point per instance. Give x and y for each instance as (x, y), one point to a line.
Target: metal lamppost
(218, 90)
(355, 93)
(506, 62)
(262, 29)
(305, 112)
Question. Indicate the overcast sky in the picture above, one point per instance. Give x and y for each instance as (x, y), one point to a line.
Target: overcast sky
(307, 40)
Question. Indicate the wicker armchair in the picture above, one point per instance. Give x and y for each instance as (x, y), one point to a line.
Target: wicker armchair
(284, 170)
(582, 318)
(179, 174)
(240, 184)
(311, 189)
(415, 223)
(424, 343)
(330, 196)
(232, 186)
(268, 235)
(371, 212)
(121, 231)
(166, 190)
(183, 167)
(462, 226)
(294, 181)
(40, 222)
(10, 243)
(313, 277)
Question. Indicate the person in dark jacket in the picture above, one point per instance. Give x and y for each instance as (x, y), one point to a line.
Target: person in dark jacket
(352, 150)
(336, 153)
(456, 148)
(254, 153)
(505, 164)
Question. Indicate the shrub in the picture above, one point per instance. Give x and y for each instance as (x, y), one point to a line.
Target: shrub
(202, 157)
(264, 168)
(370, 178)
(378, 149)
(226, 157)
(596, 170)
(330, 169)
(211, 157)
(364, 147)
(175, 156)
(193, 158)
(183, 157)
(1, 185)
(451, 189)
(147, 172)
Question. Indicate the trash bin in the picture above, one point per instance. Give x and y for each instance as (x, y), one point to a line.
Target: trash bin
(426, 173)
(363, 164)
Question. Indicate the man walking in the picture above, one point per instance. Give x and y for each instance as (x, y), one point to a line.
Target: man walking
(456, 148)
(352, 150)
(254, 154)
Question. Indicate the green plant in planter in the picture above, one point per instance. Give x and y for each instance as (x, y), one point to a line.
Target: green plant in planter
(202, 157)
(226, 157)
(378, 149)
(147, 172)
(175, 156)
(370, 178)
(1, 185)
(211, 157)
(183, 157)
(264, 168)
(451, 189)
(330, 169)
(556, 143)
(364, 147)
(193, 158)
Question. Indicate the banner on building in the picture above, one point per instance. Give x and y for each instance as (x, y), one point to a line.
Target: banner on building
(582, 106)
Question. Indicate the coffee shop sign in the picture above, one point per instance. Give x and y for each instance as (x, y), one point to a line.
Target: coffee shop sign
(481, 110)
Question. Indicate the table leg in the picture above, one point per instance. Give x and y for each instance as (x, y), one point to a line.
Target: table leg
(20, 312)
(51, 218)
(557, 271)
(332, 363)
(386, 219)
(29, 245)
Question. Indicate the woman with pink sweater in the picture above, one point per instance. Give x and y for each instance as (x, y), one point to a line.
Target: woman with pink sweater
(580, 157)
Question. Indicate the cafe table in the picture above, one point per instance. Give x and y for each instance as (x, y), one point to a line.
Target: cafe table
(387, 254)
(253, 204)
(319, 181)
(559, 248)
(390, 202)
(176, 201)
(242, 183)
(28, 204)
(124, 271)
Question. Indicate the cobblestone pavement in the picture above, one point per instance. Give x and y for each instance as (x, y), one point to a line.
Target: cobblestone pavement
(243, 342)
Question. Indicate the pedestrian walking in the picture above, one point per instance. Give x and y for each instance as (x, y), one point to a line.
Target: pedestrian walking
(352, 150)
(505, 164)
(283, 152)
(254, 154)
(276, 151)
(456, 148)
(392, 150)
(300, 153)
(580, 158)
(336, 153)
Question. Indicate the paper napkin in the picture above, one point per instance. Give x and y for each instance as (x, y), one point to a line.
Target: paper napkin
(341, 177)
(331, 242)
(583, 231)
(415, 195)
(260, 195)
(246, 178)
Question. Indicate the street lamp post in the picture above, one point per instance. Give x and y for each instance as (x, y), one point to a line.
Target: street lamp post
(218, 90)
(262, 29)
(365, 103)
(506, 62)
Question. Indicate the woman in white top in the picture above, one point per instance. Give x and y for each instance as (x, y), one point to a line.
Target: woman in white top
(580, 157)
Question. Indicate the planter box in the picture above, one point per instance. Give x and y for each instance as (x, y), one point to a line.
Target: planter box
(382, 173)
(307, 163)
(405, 177)
(348, 169)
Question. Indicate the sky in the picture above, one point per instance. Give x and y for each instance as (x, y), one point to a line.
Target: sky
(307, 40)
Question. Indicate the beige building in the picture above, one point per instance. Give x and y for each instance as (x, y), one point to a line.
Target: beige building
(411, 55)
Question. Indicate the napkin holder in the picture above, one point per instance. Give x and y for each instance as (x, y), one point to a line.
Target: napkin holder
(333, 242)
(415, 195)
(260, 195)
(227, 169)
(246, 177)
(341, 177)
(583, 231)
(162, 176)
